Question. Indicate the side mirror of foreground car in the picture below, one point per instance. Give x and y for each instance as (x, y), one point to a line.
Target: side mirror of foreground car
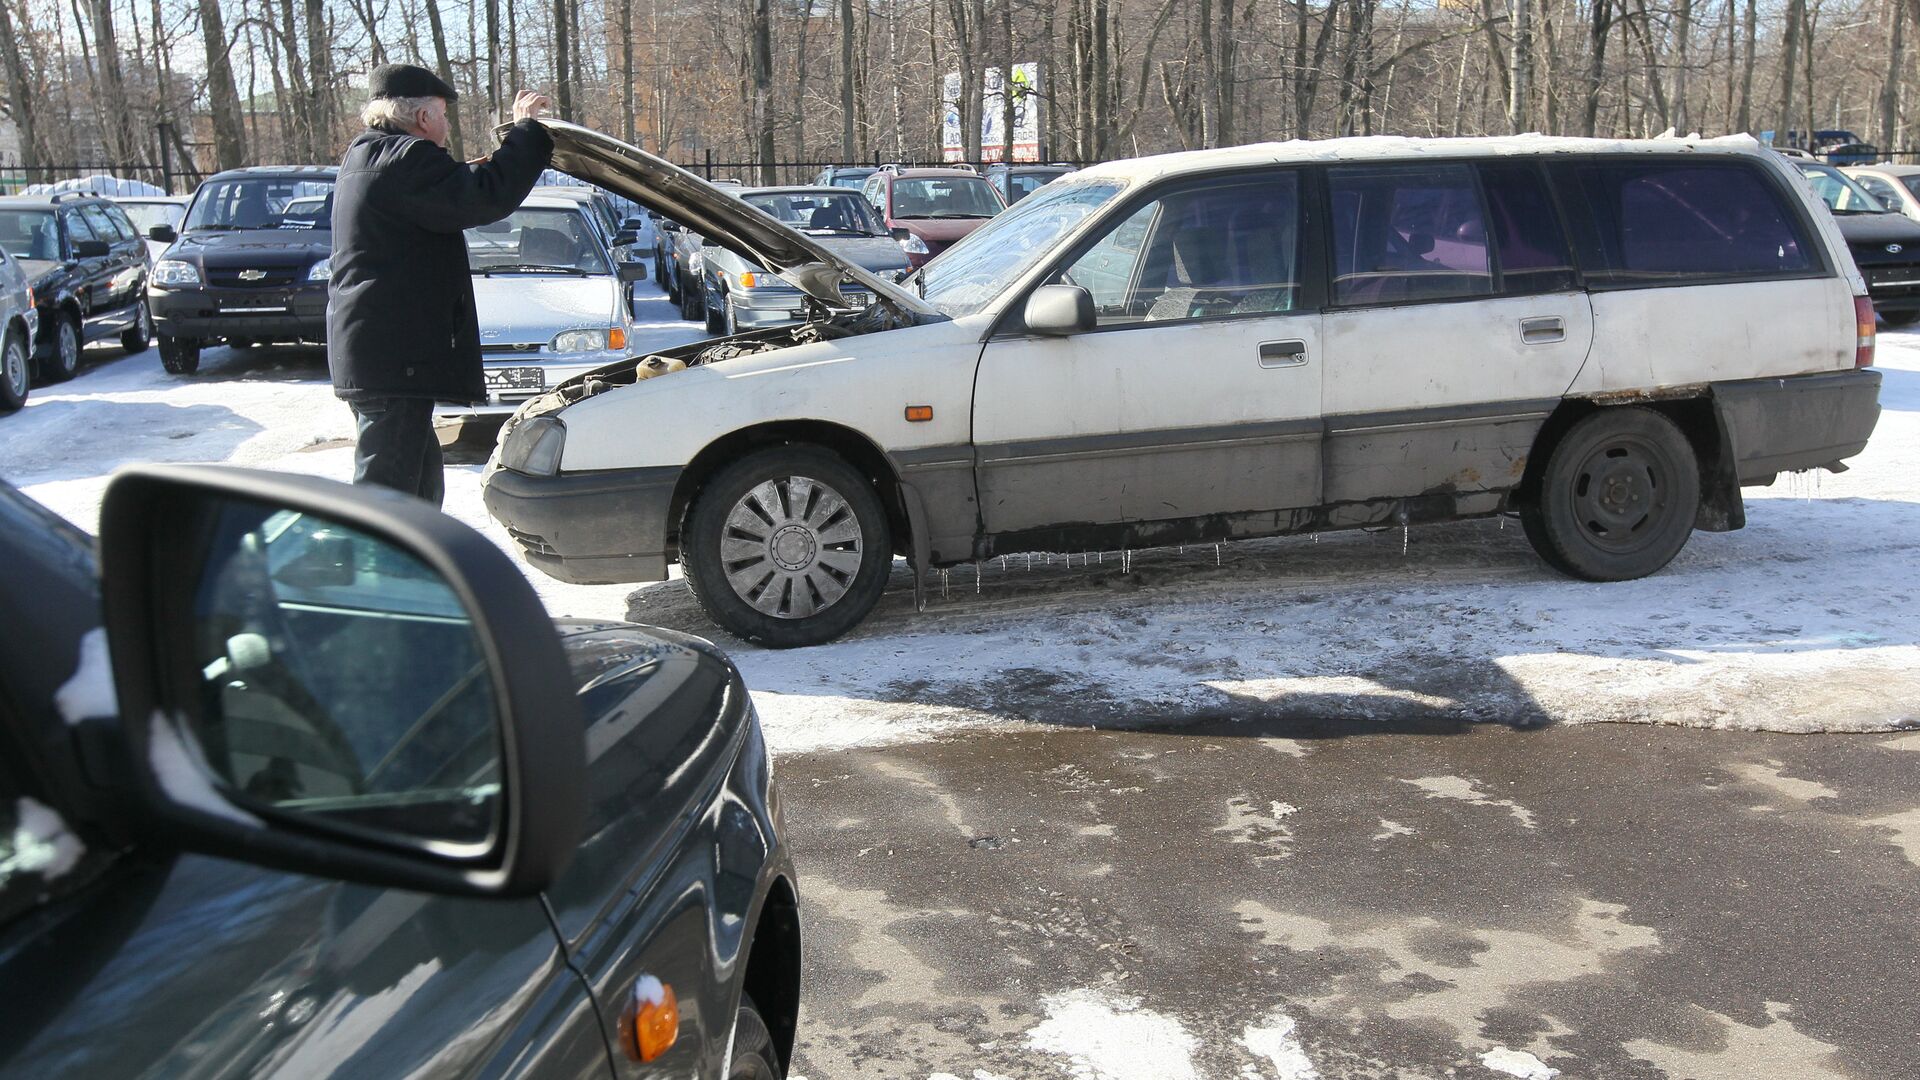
(334, 681)
(1059, 310)
(626, 238)
(163, 233)
(632, 271)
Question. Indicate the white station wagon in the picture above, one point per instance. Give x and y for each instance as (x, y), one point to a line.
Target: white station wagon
(1605, 338)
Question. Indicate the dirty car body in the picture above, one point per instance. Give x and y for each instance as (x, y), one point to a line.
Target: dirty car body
(1275, 339)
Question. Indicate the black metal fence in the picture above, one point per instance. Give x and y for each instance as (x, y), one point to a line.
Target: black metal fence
(16, 177)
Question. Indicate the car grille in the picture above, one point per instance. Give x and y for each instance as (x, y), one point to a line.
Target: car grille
(509, 350)
(1898, 279)
(251, 277)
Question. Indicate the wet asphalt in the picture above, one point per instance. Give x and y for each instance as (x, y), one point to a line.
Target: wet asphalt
(1617, 901)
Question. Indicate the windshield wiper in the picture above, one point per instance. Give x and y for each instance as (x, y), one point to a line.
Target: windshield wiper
(959, 215)
(534, 268)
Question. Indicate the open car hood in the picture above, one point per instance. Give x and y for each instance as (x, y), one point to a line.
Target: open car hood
(667, 189)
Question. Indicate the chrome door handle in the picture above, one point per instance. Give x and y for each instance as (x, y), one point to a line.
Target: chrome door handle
(1283, 354)
(1543, 330)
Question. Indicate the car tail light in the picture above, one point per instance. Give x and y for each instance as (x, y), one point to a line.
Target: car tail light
(1863, 331)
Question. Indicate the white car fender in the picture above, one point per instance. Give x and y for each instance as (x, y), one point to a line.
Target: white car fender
(863, 383)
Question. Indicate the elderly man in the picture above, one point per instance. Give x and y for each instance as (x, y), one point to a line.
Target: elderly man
(401, 328)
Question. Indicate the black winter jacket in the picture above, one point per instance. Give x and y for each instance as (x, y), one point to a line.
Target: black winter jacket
(400, 316)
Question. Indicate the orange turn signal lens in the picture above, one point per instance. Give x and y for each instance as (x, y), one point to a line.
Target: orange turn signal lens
(616, 338)
(650, 1024)
(747, 280)
(918, 414)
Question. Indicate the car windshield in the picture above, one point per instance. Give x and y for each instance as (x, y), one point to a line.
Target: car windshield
(980, 267)
(29, 234)
(818, 213)
(944, 197)
(263, 202)
(1839, 191)
(146, 215)
(537, 241)
(854, 180)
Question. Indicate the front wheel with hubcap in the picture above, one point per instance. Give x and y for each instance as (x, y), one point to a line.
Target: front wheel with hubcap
(62, 361)
(134, 339)
(179, 355)
(1618, 497)
(14, 382)
(788, 546)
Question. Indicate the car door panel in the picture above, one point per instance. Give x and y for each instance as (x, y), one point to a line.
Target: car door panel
(1458, 331)
(1198, 395)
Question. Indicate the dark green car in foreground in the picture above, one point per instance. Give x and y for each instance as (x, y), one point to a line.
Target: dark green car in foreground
(299, 780)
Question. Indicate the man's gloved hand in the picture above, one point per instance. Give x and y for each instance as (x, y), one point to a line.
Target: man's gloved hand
(529, 105)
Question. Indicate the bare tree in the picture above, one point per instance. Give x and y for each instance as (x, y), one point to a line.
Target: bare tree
(229, 141)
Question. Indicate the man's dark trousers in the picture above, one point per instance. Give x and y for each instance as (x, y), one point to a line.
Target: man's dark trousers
(397, 447)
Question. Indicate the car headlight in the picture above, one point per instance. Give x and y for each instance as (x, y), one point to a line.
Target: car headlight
(169, 272)
(572, 341)
(913, 245)
(534, 447)
(322, 270)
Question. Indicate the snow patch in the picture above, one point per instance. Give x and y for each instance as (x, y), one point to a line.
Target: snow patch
(1468, 791)
(40, 844)
(1109, 1037)
(182, 774)
(1517, 1063)
(89, 693)
(1278, 1042)
(1391, 829)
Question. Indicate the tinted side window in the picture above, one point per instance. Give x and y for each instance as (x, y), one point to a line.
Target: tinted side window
(1658, 223)
(1530, 245)
(102, 225)
(1407, 233)
(77, 229)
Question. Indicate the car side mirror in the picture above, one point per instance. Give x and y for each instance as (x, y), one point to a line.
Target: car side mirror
(1060, 310)
(626, 238)
(634, 224)
(899, 233)
(406, 719)
(163, 233)
(669, 226)
(91, 249)
(631, 271)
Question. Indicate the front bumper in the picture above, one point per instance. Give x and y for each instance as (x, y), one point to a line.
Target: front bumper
(280, 314)
(593, 528)
(1799, 422)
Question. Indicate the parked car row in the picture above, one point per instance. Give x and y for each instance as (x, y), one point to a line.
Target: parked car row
(86, 269)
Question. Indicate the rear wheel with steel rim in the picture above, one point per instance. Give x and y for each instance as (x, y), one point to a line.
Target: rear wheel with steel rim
(62, 361)
(788, 546)
(135, 338)
(1618, 497)
(14, 382)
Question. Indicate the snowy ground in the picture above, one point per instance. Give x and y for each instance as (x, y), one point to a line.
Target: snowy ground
(1803, 621)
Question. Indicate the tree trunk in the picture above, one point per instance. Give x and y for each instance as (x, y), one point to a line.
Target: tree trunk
(893, 65)
(845, 15)
(760, 105)
(455, 143)
(1102, 117)
(562, 59)
(1520, 87)
(1598, 30)
(1209, 73)
(1788, 64)
(1008, 103)
(319, 55)
(1496, 58)
(1682, 46)
(125, 145)
(1896, 62)
(229, 140)
(20, 97)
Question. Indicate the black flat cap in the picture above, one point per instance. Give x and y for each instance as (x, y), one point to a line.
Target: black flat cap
(408, 80)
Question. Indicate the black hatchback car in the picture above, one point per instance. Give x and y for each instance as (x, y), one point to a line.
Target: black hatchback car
(1885, 243)
(87, 267)
(325, 793)
(248, 266)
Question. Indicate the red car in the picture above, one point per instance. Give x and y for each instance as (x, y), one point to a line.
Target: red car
(927, 210)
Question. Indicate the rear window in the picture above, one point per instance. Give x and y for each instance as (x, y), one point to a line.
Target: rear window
(1672, 223)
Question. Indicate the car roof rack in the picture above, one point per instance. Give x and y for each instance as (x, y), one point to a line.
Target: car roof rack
(62, 196)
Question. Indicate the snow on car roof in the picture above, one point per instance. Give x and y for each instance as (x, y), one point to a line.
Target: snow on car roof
(1387, 147)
